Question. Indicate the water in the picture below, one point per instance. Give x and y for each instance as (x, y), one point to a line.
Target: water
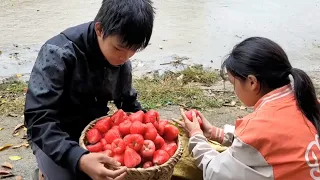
(203, 30)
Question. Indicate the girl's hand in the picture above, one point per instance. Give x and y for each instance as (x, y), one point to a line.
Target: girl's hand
(93, 164)
(206, 126)
(192, 127)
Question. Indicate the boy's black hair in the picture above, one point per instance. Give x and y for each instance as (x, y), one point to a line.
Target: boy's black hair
(268, 62)
(130, 20)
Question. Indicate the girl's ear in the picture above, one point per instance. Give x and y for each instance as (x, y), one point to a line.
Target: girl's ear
(253, 83)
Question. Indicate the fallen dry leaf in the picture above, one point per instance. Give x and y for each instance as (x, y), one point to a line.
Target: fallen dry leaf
(6, 176)
(7, 165)
(18, 75)
(25, 129)
(242, 107)
(4, 172)
(17, 128)
(1, 129)
(13, 115)
(20, 145)
(19, 178)
(15, 158)
(5, 147)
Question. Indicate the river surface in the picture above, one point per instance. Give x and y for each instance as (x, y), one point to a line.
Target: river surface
(204, 31)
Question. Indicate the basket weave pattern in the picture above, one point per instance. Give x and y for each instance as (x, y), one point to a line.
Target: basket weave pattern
(161, 172)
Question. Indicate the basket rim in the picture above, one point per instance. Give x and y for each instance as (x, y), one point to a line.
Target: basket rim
(177, 155)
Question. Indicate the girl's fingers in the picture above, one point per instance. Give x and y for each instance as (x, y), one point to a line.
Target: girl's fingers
(183, 114)
(194, 117)
(202, 117)
(181, 123)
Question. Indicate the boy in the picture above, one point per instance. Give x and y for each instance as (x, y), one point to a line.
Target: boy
(75, 75)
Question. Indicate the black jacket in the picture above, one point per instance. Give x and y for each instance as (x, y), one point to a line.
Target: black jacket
(70, 85)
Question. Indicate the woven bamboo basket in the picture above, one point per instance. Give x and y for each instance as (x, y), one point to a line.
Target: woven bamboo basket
(161, 172)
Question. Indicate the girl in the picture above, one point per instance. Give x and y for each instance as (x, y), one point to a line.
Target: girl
(279, 140)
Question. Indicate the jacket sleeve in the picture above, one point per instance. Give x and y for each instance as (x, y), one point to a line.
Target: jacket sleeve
(240, 161)
(224, 135)
(128, 96)
(43, 102)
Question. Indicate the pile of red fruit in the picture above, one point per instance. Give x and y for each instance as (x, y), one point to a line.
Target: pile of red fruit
(136, 140)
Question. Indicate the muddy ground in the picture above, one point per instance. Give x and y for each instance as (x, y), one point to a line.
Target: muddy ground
(26, 166)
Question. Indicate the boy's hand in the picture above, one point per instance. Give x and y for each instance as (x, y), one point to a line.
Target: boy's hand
(93, 164)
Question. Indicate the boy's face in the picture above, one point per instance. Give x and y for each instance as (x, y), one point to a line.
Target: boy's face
(111, 48)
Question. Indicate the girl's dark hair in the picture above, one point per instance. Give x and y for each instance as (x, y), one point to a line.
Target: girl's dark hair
(268, 62)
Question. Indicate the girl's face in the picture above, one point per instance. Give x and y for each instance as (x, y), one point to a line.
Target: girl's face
(248, 90)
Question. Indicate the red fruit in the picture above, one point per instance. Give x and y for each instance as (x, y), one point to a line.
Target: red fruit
(156, 125)
(107, 147)
(137, 128)
(151, 132)
(95, 147)
(124, 127)
(134, 141)
(189, 116)
(151, 116)
(147, 164)
(162, 124)
(119, 158)
(111, 135)
(108, 153)
(118, 146)
(147, 149)
(171, 148)
(103, 142)
(118, 117)
(131, 158)
(159, 141)
(103, 125)
(93, 136)
(137, 116)
(170, 132)
(160, 157)
(116, 128)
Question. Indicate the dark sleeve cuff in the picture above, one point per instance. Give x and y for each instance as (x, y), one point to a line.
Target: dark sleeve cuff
(72, 158)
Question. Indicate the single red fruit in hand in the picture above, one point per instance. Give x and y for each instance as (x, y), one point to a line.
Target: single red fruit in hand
(137, 128)
(118, 146)
(137, 116)
(107, 147)
(171, 148)
(131, 158)
(170, 132)
(160, 157)
(111, 135)
(119, 158)
(162, 124)
(103, 142)
(118, 117)
(124, 127)
(147, 149)
(95, 147)
(147, 164)
(93, 136)
(151, 116)
(151, 132)
(108, 153)
(159, 141)
(189, 116)
(103, 125)
(134, 141)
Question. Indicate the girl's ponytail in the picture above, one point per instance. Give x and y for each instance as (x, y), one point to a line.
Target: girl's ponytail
(306, 97)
